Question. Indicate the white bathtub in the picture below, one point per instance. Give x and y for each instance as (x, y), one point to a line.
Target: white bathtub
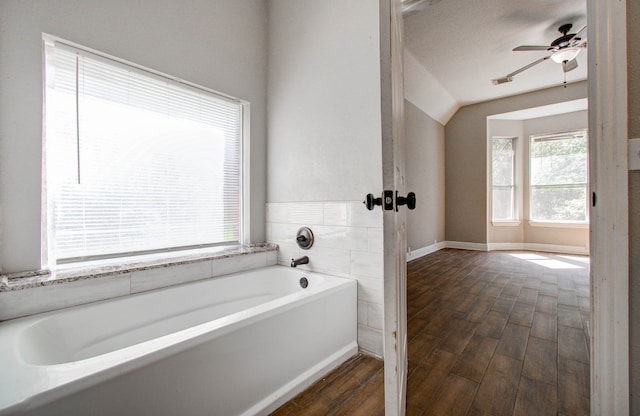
(241, 344)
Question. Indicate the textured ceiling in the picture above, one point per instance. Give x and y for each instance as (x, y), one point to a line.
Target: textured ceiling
(465, 44)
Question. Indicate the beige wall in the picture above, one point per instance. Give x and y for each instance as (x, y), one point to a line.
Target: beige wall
(466, 154)
(633, 71)
(424, 164)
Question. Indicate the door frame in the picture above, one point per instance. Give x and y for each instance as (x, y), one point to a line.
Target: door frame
(394, 222)
(609, 232)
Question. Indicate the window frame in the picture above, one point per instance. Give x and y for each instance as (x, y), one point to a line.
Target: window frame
(558, 223)
(48, 258)
(515, 212)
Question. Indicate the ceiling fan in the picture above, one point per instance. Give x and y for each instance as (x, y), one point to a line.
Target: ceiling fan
(564, 50)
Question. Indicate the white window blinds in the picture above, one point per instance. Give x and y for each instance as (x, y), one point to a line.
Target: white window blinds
(136, 162)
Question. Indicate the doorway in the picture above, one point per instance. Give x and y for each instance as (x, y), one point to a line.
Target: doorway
(609, 245)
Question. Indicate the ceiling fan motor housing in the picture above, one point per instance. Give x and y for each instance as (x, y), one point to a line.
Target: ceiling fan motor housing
(564, 40)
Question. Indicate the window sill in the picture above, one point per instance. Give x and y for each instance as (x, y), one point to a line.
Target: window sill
(552, 224)
(111, 267)
(513, 223)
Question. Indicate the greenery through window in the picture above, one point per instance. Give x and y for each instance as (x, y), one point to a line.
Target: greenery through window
(559, 177)
(503, 178)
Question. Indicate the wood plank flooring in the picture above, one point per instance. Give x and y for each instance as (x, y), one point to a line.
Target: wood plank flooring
(498, 333)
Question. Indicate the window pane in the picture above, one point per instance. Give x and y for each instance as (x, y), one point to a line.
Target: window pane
(503, 178)
(137, 162)
(502, 161)
(502, 204)
(559, 161)
(558, 168)
(559, 203)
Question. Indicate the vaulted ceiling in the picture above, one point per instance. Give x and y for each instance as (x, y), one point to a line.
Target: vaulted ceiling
(465, 44)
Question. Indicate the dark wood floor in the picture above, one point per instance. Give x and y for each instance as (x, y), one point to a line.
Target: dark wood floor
(499, 333)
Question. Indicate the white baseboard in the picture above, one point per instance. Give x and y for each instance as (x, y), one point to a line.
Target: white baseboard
(505, 246)
(415, 254)
(549, 248)
(467, 246)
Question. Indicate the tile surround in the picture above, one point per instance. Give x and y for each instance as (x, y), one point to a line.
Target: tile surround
(36, 292)
(348, 243)
(17, 303)
(157, 277)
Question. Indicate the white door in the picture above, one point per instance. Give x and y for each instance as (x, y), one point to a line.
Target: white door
(394, 220)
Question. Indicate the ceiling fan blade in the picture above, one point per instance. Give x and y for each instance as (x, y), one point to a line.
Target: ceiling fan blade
(581, 44)
(531, 48)
(579, 32)
(524, 68)
(569, 65)
(509, 77)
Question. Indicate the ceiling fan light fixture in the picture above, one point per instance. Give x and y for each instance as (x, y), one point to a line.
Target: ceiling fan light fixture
(566, 54)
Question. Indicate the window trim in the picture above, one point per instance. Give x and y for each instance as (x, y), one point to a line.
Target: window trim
(561, 223)
(48, 259)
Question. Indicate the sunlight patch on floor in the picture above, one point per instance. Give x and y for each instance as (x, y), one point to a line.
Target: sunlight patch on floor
(551, 263)
(580, 259)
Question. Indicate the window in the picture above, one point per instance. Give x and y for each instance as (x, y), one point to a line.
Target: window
(558, 178)
(136, 161)
(503, 179)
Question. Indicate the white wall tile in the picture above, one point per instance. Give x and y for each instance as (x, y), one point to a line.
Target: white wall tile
(328, 259)
(239, 263)
(367, 264)
(335, 213)
(363, 309)
(370, 340)
(272, 258)
(348, 243)
(284, 233)
(375, 315)
(375, 240)
(167, 276)
(17, 303)
(350, 238)
(359, 216)
(286, 252)
(370, 290)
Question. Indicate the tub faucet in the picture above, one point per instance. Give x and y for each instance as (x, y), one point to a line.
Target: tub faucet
(301, 260)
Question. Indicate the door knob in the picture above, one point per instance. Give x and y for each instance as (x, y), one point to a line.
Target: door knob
(409, 200)
(372, 201)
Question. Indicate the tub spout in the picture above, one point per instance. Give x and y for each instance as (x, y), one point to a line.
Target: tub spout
(301, 260)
